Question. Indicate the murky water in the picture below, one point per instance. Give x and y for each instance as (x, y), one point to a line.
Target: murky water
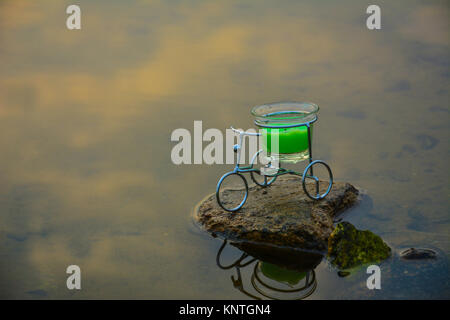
(86, 176)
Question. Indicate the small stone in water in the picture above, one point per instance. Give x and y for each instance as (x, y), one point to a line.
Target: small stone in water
(418, 254)
(343, 274)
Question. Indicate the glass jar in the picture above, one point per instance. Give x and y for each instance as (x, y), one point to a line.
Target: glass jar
(284, 128)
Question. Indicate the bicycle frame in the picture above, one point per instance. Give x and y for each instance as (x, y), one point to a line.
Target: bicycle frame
(238, 147)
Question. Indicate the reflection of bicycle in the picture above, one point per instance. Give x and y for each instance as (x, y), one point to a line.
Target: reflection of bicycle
(269, 173)
(269, 280)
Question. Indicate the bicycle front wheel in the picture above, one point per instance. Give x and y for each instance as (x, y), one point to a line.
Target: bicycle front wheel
(232, 191)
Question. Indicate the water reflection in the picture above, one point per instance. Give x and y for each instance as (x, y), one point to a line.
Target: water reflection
(277, 280)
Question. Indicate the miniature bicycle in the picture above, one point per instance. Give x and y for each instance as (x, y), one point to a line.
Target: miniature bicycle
(290, 123)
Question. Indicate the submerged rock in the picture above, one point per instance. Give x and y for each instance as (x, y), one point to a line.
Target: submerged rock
(418, 254)
(349, 247)
(343, 274)
(279, 215)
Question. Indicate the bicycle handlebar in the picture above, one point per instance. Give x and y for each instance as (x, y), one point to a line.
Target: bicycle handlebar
(240, 132)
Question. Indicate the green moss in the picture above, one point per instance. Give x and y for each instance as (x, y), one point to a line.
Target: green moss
(349, 247)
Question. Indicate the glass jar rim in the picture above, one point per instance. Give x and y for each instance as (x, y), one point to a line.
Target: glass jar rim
(288, 112)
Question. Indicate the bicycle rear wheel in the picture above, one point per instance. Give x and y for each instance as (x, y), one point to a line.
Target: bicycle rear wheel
(313, 189)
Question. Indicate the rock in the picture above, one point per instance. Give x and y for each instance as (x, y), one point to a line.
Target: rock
(349, 247)
(343, 274)
(283, 216)
(418, 254)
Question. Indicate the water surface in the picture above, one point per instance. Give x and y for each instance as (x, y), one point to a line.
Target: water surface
(86, 116)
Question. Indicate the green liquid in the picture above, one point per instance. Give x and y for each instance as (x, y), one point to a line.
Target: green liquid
(280, 274)
(290, 140)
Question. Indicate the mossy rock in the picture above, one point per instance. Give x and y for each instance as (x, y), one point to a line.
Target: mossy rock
(349, 247)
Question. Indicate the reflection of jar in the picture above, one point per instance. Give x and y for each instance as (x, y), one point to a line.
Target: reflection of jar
(280, 274)
(276, 282)
(284, 129)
